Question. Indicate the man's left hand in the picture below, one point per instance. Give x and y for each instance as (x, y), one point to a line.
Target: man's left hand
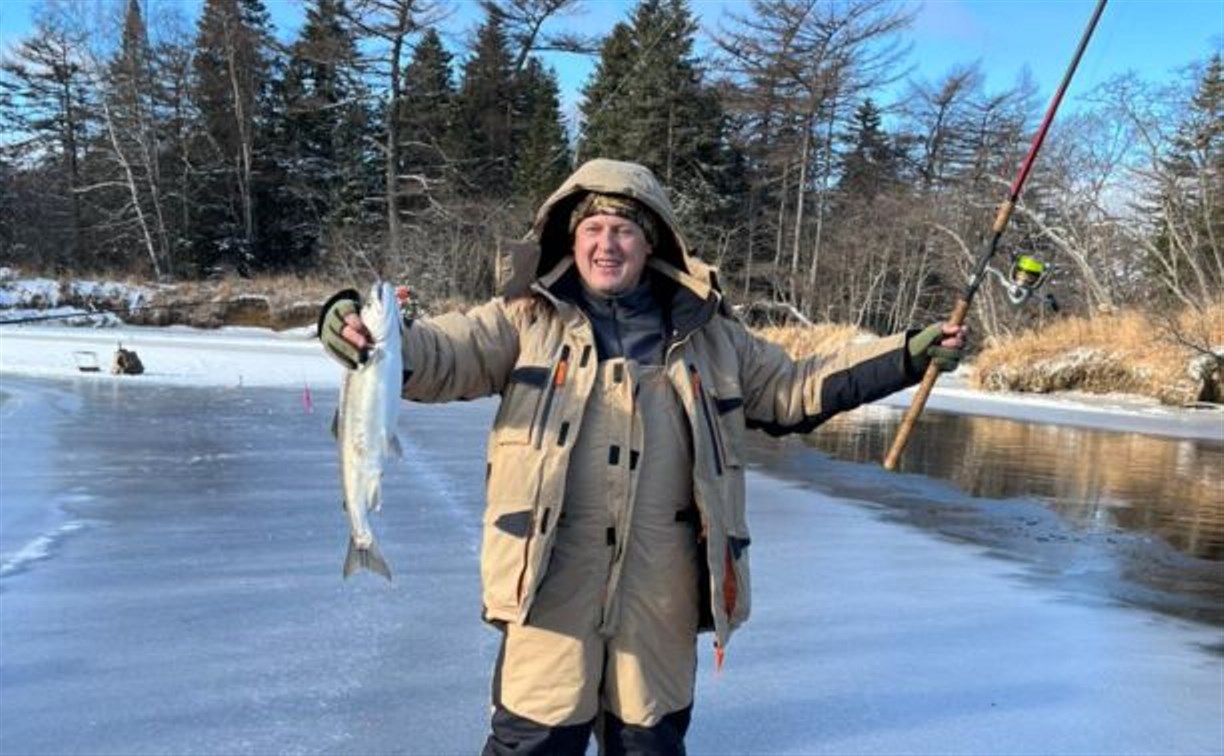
(941, 343)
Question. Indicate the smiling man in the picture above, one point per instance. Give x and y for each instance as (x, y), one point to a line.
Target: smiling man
(615, 528)
(613, 237)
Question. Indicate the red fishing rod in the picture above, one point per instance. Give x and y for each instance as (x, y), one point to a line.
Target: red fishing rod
(961, 311)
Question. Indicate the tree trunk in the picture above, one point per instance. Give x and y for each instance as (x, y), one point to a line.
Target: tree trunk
(820, 202)
(245, 145)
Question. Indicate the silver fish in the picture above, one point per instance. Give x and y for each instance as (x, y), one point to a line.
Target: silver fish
(365, 426)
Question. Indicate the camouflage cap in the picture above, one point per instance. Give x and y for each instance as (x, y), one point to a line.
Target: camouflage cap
(596, 203)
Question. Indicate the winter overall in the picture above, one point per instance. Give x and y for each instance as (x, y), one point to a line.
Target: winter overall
(589, 550)
(614, 626)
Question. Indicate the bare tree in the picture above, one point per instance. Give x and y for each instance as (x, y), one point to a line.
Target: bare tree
(390, 25)
(797, 63)
(525, 21)
(48, 122)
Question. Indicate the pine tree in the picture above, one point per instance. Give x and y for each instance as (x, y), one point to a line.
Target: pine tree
(8, 209)
(1189, 208)
(133, 142)
(647, 102)
(543, 154)
(231, 74)
(427, 110)
(606, 105)
(869, 166)
(486, 112)
(315, 159)
(49, 117)
(175, 118)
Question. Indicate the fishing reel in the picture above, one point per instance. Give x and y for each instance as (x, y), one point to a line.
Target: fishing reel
(1023, 278)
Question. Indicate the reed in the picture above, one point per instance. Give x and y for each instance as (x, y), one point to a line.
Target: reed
(1124, 352)
(821, 338)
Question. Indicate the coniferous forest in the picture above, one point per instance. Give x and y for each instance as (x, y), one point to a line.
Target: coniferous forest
(802, 161)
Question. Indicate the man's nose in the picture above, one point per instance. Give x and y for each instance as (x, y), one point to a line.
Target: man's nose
(606, 240)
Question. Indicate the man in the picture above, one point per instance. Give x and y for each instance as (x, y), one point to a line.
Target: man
(615, 526)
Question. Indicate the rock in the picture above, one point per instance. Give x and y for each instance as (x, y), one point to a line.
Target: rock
(1208, 371)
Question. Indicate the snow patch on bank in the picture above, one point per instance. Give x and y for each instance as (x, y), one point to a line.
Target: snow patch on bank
(22, 298)
(178, 355)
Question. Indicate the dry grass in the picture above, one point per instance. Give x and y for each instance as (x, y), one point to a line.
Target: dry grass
(1127, 352)
(282, 289)
(803, 341)
(262, 301)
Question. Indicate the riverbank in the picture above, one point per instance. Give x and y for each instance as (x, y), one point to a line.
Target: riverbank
(293, 358)
(1174, 358)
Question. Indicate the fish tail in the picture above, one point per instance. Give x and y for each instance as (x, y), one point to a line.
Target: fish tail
(368, 558)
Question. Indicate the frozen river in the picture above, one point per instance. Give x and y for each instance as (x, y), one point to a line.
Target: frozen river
(170, 583)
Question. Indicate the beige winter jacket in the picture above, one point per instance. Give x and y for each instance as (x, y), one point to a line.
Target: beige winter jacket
(536, 349)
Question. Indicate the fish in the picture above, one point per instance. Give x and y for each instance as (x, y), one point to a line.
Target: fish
(365, 427)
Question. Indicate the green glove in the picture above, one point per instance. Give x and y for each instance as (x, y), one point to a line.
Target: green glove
(924, 348)
(331, 322)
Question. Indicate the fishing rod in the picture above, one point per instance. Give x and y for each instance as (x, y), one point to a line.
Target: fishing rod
(1026, 273)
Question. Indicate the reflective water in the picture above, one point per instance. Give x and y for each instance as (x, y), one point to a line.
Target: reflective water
(1172, 488)
(1149, 507)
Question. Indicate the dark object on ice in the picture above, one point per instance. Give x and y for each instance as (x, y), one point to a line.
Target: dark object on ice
(126, 362)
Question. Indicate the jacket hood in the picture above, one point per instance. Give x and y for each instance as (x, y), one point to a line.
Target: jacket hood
(551, 227)
(545, 255)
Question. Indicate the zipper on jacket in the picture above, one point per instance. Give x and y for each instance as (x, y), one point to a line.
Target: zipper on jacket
(556, 384)
(711, 425)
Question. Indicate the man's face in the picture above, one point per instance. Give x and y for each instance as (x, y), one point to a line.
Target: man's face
(610, 252)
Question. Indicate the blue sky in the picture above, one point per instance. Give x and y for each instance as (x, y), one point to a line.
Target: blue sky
(1151, 37)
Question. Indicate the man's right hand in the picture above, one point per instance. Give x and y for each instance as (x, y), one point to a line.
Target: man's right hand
(343, 334)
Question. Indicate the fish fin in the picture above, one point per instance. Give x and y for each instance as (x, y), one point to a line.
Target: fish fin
(376, 563)
(335, 426)
(393, 447)
(369, 559)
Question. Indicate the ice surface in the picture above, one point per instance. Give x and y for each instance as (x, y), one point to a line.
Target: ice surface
(202, 609)
(187, 595)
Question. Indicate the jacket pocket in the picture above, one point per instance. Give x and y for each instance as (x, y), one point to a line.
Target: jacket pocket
(524, 394)
(505, 556)
(528, 400)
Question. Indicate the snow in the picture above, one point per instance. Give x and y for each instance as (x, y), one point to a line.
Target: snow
(175, 355)
(1115, 412)
(40, 297)
(175, 588)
